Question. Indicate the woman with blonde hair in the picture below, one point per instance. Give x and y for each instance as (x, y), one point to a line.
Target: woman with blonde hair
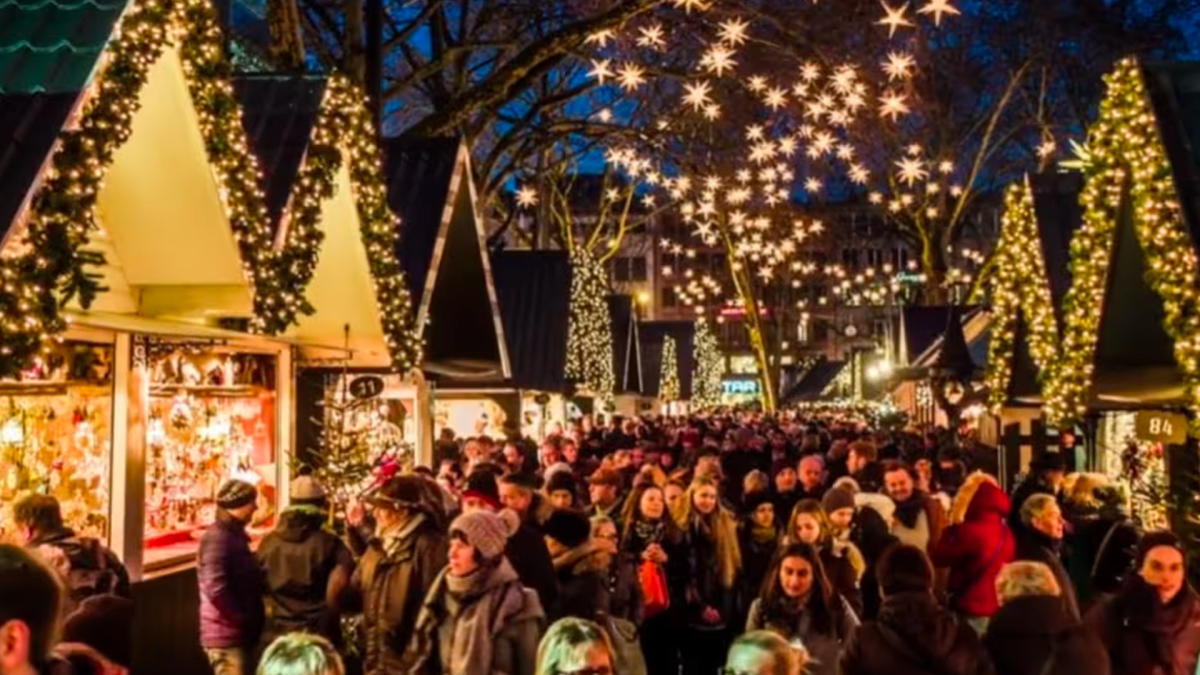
(764, 652)
(717, 561)
(573, 645)
(842, 561)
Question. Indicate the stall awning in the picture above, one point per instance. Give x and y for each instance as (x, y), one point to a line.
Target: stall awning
(130, 323)
(813, 384)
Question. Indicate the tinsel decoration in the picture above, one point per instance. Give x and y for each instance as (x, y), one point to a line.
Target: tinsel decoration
(668, 378)
(709, 368)
(1128, 162)
(589, 336)
(1019, 288)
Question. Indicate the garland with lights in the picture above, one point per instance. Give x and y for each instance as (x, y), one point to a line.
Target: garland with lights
(52, 266)
(589, 333)
(709, 368)
(1128, 161)
(1019, 287)
(344, 131)
(668, 378)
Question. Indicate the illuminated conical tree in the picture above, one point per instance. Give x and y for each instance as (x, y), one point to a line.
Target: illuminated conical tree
(706, 380)
(589, 337)
(668, 379)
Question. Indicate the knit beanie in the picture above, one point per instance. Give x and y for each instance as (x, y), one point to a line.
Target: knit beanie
(905, 568)
(752, 501)
(836, 498)
(560, 480)
(1152, 540)
(482, 485)
(567, 527)
(104, 623)
(236, 493)
(485, 531)
(306, 490)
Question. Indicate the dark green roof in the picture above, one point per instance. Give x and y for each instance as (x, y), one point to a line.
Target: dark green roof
(51, 46)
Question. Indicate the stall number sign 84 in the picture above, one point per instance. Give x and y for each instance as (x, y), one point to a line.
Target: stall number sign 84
(1164, 427)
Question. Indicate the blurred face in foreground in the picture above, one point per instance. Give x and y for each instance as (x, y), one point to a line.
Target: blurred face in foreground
(899, 485)
(1163, 569)
(652, 504)
(795, 577)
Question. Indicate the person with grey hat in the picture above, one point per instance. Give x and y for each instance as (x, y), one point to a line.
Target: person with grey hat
(400, 565)
(231, 587)
(477, 618)
(305, 567)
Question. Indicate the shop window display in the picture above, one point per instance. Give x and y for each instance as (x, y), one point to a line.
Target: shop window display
(211, 417)
(54, 435)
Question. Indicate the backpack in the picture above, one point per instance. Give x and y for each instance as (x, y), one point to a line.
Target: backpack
(89, 572)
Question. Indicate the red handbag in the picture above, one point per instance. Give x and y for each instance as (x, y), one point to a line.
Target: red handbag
(655, 596)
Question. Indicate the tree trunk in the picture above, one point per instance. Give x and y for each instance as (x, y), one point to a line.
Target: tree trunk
(287, 41)
(354, 52)
(934, 267)
(373, 60)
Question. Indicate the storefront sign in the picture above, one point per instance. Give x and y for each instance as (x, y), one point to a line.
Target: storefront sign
(1154, 425)
(740, 387)
(366, 386)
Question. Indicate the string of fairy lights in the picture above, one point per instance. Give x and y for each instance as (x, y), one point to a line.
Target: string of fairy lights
(709, 367)
(589, 328)
(1127, 164)
(1019, 287)
(669, 388)
(344, 132)
(52, 265)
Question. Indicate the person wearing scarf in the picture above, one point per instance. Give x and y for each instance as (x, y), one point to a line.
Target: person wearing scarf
(652, 536)
(717, 561)
(759, 541)
(919, 517)
(1152, 625)
(477, 617)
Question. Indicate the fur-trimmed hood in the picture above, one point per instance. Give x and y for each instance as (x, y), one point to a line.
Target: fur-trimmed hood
(979, 495)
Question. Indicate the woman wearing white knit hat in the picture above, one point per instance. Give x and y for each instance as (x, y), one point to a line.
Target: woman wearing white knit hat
(478, 618)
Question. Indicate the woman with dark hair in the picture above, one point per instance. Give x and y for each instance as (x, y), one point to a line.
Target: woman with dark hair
(716, 563)
(477, 617)
(797, 602)
(657, 546)
(841, 559)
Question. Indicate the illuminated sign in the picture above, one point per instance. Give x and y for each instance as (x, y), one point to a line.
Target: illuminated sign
(740, 387)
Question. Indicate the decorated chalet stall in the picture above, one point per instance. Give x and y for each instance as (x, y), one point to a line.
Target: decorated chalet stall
(138, 284)
(441, 248)
(922, 331)
(322, 175)
(668, 359)
(534, 293)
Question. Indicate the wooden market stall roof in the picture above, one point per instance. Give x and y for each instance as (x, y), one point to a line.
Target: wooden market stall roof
(652, 335)
(534, 288)
(816, 383)
(441, 247)
(627, 345)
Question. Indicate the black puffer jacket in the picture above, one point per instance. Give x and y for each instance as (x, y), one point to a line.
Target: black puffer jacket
(1033, 634)
(298, 560)
(914, 636)
(582, 584)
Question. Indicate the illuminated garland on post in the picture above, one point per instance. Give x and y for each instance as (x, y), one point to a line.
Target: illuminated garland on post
(589, 334)
(1126, 150)
(1019, 286)
(709, 368)
(344, 128)
(668, 378)
(52, 266)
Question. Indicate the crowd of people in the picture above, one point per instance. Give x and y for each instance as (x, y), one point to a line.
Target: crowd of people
(732, 542)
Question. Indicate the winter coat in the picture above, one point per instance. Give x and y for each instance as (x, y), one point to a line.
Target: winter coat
(1145, 637)
(582, 584)
(823, 643)
(678, 569)
(93, 569)
(935, 516)
(1100, 552)
(526, 550)
(389, 584)
(975, 545)
(757, 554)
(705, 588)
(1037, 547)
(1031, 485)
(231, 586)
(870, 534)
(489, 623)
(913, 635)
(1028, 631)
(297, 560)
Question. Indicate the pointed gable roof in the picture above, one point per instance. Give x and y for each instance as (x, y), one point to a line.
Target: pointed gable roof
(421, 181)
(534, 288)
(627, 352)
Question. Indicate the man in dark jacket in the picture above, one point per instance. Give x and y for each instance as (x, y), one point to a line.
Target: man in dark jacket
(579, 565)
(1031, 633)
(912, 635)
(305, 567)
(1046, 473)
(87, 566)
(231, 608)
(526, 549)
(1041, 541)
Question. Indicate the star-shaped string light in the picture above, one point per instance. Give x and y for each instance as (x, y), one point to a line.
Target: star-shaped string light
(894, 18)
(938, 8)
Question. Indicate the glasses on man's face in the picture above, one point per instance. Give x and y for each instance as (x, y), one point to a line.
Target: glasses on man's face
(602, 670)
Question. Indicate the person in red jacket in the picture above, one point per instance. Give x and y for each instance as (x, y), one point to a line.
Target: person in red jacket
(974, 547)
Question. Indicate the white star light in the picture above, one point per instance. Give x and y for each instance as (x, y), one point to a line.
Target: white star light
(689, 5)
(911, 170)
(892, 104)
(631, 76)
(756, 83)
(601, 70)
(526, 197)
(899, 65)
(651, 37)
(775, 98)
(937, 8)
(733, 31)
(697, 94)
(717, 60)
(894, 18)
(600, 38)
